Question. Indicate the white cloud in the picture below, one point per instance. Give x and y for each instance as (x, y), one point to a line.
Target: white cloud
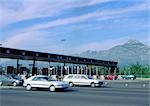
(85, 3)
(93, 2)
(20, 39)
(65, 21)
(35, 41)
(30, 9)
(96, 15)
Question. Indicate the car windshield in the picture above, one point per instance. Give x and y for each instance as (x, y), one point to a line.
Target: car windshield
(89, 77)
(8, 77)
(48, 78)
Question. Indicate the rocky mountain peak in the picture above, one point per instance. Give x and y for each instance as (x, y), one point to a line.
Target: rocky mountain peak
(134, 44)
(132, 41)
(128, 53)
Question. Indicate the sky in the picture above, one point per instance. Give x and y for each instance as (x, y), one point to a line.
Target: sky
(72, 26)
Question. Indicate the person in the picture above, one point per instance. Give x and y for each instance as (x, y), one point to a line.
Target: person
(57, 77)
(19, 77)
(23, 77)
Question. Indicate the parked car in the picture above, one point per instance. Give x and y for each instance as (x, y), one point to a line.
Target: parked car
(80, 79)
(8, 80)
(131, 77)
(120, 77)
(42, 81)
(18, 77)
(111, 77)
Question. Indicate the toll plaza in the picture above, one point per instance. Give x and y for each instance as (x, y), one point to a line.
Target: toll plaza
(56, 64)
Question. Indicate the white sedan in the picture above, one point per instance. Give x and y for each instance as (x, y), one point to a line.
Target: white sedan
(41, 81)
(80, 79)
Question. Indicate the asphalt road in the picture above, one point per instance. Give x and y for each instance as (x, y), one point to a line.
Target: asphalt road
(107, 95)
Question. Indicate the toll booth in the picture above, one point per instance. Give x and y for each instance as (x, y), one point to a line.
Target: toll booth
(11, 70)
(45, 71)
(34, 71)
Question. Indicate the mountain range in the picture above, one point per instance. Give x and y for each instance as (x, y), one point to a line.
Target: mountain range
(131, 52)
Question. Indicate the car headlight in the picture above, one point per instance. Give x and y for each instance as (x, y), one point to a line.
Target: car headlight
(17, 81)
(96, 82)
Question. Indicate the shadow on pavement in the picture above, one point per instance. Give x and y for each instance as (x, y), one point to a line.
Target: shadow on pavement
(57, 90)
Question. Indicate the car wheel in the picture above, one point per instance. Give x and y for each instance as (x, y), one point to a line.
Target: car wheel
(1, 83)
(52, 88)
(28, 87)
(92, 84)
(71, 84)
(14, 84)
(132, 78)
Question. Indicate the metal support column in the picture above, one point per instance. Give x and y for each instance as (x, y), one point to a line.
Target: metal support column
(64, 69)
(33, 68)
(18, 66)
(68, 70)
(61, 69)
(86, 69)
(82, 69)
(49, 70)
(33, 64)
(72, 69)
(97, 70)
(89, 69)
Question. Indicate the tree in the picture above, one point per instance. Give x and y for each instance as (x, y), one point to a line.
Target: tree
(137, 69)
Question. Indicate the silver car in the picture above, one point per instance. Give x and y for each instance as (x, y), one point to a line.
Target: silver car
(80, 79)
(42, 81)
(6, 80)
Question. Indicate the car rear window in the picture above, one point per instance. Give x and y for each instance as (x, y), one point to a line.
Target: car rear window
(83, 77)
(76, 77)
(69, 77)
